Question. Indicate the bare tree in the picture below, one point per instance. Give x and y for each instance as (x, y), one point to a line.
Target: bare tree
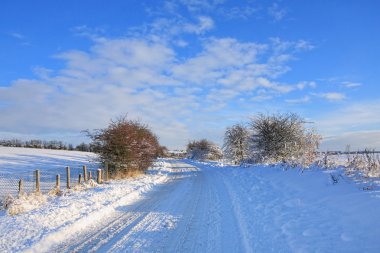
(203, 149)
(283, 137)
(129, 145)
(235, 145)
(215, 152)
(162, 151)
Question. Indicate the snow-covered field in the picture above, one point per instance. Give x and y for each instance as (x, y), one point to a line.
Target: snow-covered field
(20, 163)
(23, 160)
(187, 206)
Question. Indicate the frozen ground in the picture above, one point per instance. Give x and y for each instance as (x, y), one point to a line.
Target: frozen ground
(183, 206)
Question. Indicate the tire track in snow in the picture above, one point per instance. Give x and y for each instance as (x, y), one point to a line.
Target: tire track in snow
(172, 204)
(240, 220)
(237, 240)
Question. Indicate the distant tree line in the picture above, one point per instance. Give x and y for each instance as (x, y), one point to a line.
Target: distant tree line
(43, 144)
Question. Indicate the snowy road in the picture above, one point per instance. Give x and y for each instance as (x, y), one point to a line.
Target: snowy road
(192, 213)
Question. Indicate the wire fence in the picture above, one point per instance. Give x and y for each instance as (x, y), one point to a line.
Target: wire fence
(46, 181)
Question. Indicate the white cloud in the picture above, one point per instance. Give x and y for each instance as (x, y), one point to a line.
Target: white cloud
(356, 124)
(21, 38)
(351, 84)
(261, 98)
(354, 116)
(312, 85)
(181, 43)
(41, 72)
(276, 12)
(144, 76)
(302, 100)
(280, 88)
(17, 36)
(201, 5)
(303, 85)
(331, 96)
(89, 32)
(170, 30)
(235, 12)
(357, 140)
(204, 24)
(304, 45)
(280, 45)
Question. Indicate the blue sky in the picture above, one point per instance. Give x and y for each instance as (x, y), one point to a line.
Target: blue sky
(189, 68)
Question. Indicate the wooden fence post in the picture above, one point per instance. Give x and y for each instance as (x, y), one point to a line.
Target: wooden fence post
(58, 181)
(99, 176)
(20, 183)
(89, 175)
(107, 172)
(85, 173)
(38, 181)
(80, 179)
(68, 177)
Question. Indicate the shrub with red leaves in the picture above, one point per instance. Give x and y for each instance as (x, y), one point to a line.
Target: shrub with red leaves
(129, 146)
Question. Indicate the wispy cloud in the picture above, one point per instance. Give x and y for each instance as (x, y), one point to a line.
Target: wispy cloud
(261, 98)
(352, 117)
(351, 84)
(238, 12)
(172, 29)
(201, 5)
(205, 24)
(277, 12)
(302, 100)
(42, 73)
(356, 140)
(331, 96)
(21, 38)
(303, 85)
(17, 36)
(89, 32)
(355, 124)
(304, 45)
